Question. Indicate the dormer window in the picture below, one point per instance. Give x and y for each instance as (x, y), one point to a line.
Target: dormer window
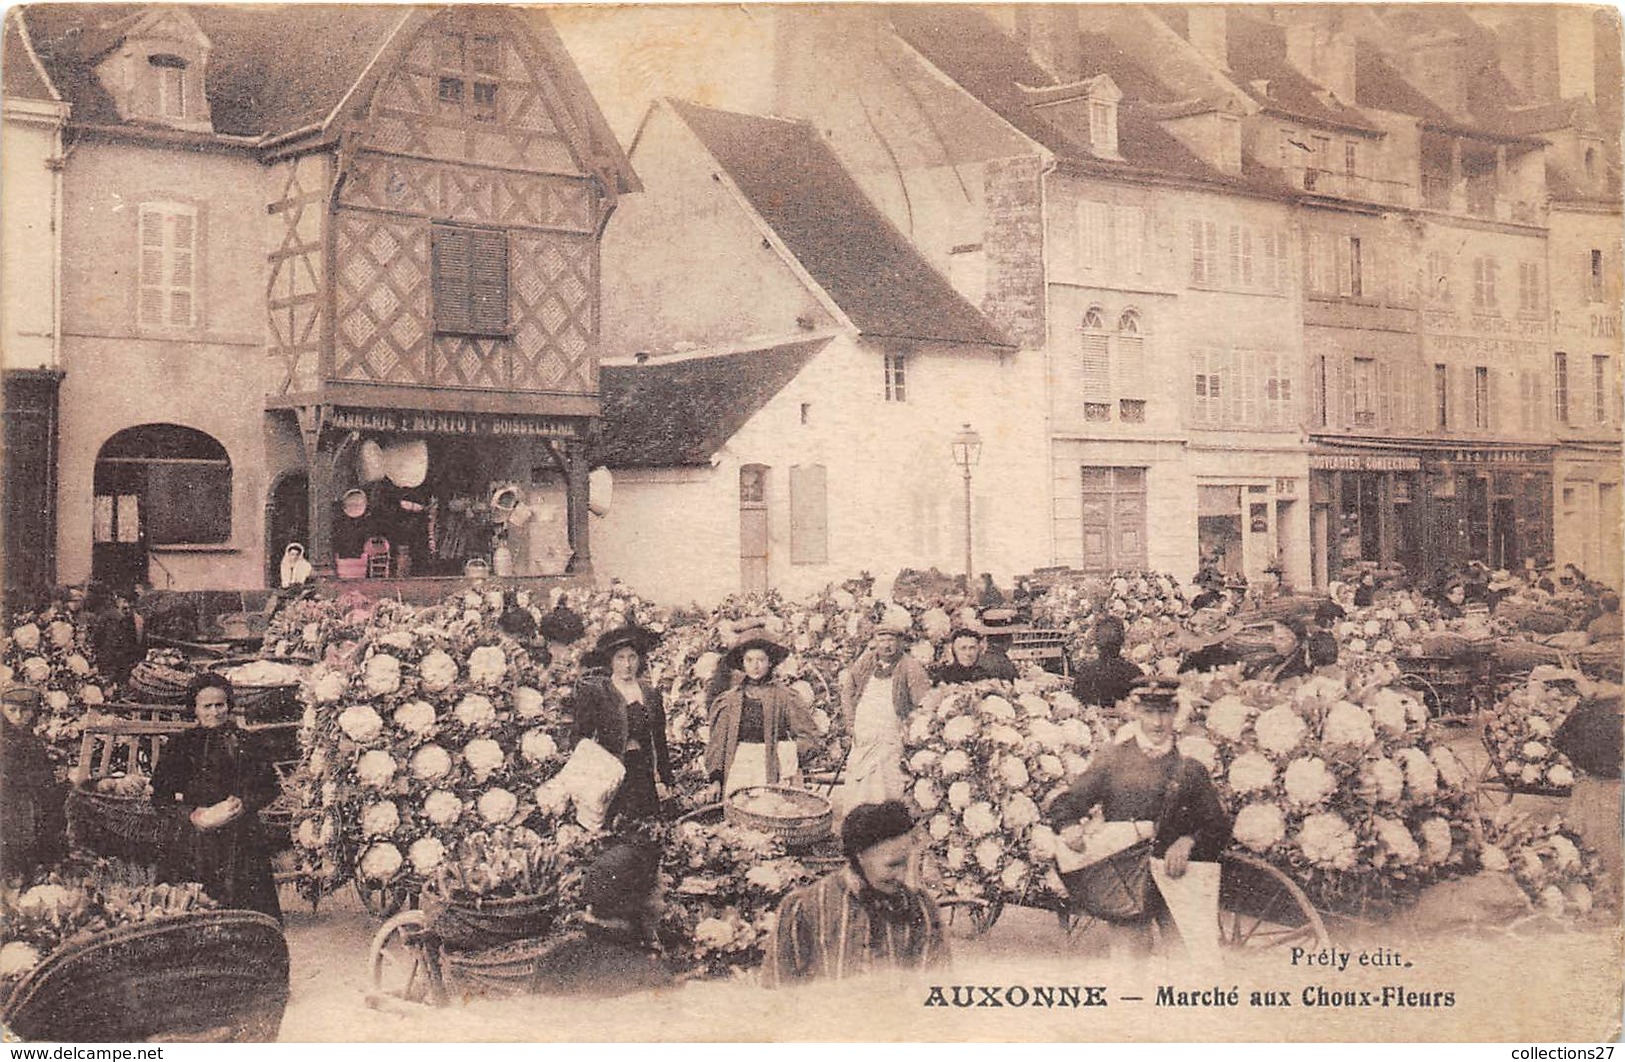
(1230, 143)
(158, 70)
(170, 73)
(1103, 126)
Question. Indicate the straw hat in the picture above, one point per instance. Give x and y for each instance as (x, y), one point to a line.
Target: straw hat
(754, 635)
(640, 638)
(407, 463)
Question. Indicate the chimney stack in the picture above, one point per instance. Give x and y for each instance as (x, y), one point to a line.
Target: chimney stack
(1207, 28)
(1323, 55)
(1576, 52)
(1052, 35)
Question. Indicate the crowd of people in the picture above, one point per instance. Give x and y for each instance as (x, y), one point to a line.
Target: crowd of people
(212, 781)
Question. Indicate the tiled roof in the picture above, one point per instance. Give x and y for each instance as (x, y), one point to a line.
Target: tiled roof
(277, 68)
(19, 77)
(1257, 53)
(272, 69)
(976, 54)
(683, 412)
(799, 188)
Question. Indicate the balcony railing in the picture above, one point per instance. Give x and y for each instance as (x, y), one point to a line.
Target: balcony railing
(1436, 191)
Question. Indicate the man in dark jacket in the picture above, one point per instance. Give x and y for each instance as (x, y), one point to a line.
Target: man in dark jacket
(613, 953)
(1108, 678)
(31, 817)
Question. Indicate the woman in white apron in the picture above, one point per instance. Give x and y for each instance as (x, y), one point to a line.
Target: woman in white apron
(883, 686)
(760, 731)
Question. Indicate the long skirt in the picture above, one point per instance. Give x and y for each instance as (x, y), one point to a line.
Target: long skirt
(749, 765)
(232, 863)
(637, 800)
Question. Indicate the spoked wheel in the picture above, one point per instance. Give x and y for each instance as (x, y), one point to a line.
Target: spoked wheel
(1260, 907)
(381, 899)
(400, 962)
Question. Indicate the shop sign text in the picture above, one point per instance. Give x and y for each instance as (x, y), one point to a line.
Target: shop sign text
(426, 422)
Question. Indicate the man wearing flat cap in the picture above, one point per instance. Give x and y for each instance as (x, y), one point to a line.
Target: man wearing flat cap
(882, 687)
(31, 817)
(864, 917)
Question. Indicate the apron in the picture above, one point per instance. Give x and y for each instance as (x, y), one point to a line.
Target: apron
(750, 766)
(874, 772)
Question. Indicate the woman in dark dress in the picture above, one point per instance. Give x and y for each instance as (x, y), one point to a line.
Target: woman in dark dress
(214, 780)
(624, 714)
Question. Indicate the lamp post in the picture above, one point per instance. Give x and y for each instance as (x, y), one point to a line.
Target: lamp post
(967, 447)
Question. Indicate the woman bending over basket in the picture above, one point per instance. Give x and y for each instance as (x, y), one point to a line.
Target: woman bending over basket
(1143, 779)
(214, 780)
(624, 714)
(760, 732)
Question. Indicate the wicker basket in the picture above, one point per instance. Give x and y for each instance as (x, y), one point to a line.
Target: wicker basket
(468, 925)
(503, 970)
(159, 682)
(796, 830)
(114, 826)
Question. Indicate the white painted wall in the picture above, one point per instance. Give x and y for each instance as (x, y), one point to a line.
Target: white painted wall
(211, 378)
(895, 497)
(30, 136)
(684, 265)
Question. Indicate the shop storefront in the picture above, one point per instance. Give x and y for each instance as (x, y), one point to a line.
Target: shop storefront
(1429, 509)
(1588, 512)
(415, 494)
(1492, 505)
(1365, 513)
(1247, 529)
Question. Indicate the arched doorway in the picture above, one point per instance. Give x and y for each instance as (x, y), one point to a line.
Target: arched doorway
(287, 519)
(156, 485)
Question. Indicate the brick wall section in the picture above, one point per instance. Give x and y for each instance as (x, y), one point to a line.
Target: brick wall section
(1014, 248)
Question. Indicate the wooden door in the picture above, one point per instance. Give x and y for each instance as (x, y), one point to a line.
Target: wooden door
(753, 528)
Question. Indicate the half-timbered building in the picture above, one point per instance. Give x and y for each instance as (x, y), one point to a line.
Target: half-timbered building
(330, 280)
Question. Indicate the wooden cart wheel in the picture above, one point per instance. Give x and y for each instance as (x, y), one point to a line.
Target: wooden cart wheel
(381, 899)
(400, 961)
(1260, 907)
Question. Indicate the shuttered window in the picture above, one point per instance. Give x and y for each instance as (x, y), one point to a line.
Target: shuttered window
(1600, 375)
(1241, 256)
(1097, 367)
(809, 515)
(1129, 225)
(167, 270)
(1441, 397)
(1113, 518)
(470, 278)
(1094, 234)
(1560, 388)
(1130, 357)
(1481, 397)
(1204, 252)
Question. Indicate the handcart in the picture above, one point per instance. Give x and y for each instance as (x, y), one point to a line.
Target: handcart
(210, 976)
(1260, 907)
(483, 945)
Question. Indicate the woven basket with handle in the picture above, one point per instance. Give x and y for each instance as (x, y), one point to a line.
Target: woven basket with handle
(809, 823)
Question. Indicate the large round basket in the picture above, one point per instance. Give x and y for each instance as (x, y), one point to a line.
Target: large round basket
(115, 826)
(213, 975)
(794, 816)
(159, 683)
(468, 925)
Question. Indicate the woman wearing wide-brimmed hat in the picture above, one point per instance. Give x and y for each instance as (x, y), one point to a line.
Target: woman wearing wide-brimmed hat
(624, 714)
(760, 731)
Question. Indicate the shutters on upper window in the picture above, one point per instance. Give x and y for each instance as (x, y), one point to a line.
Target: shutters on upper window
(1097, 378)
(470, 280)
(1095, 234)
(167, 270)
(1130, 357)
(809, 515)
